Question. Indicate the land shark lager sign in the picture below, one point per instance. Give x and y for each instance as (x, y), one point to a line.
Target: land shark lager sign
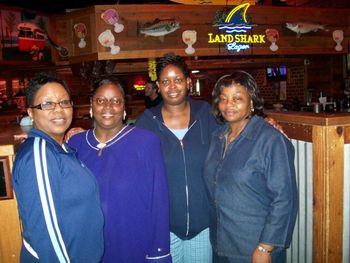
(235, 28)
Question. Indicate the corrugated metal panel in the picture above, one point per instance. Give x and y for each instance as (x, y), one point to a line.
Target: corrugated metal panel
(346, 208)
(300, 250)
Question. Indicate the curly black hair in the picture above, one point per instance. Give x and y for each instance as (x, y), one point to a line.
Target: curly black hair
(244, 79)
(37, 82)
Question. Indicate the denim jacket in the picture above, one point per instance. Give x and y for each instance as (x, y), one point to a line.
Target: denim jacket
(252, 190)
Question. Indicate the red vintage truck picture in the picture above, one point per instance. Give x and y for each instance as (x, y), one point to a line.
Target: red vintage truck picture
(30, 37)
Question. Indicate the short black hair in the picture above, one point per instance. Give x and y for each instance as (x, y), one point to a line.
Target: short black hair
(244, 79)
(108, 80)
(172, 59)
(37, 82)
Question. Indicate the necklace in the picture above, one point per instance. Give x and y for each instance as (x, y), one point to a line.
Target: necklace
(232, 138)
(102, 145)
(229, 139)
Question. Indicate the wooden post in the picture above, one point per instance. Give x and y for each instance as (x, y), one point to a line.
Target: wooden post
(10, 230)
(328, 183)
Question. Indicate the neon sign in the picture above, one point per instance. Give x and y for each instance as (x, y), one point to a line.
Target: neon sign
(139, 83)
(235, 27)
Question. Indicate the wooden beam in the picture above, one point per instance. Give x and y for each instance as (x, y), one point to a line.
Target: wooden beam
(328, 183)
(134, 45)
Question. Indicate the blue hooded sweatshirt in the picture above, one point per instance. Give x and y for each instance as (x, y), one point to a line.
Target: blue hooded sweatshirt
(184, 161)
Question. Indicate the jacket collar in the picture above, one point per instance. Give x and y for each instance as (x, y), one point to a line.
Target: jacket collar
(156, 112)
(250, 132)
(58, 148)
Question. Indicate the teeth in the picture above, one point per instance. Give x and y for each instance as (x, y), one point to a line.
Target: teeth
(58, 121)
(173, 94)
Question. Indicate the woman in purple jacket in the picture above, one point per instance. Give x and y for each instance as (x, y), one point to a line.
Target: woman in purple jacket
(128, 164)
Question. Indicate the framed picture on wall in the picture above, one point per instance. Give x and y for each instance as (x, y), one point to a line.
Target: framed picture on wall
(24, 36)
(5, 178)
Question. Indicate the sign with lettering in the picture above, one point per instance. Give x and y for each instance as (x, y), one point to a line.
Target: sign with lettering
(235, 29)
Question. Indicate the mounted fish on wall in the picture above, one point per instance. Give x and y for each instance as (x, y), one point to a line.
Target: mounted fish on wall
(303, 28)
(158, 28)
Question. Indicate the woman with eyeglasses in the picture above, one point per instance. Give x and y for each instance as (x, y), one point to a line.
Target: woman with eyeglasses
(57, 195)
(184, 126)
(128, 164)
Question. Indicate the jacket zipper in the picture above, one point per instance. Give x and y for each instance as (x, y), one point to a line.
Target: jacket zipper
(186, 181)
(186, 189)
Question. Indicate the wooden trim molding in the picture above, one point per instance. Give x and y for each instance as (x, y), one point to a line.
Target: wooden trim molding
(10, 228)
(328, 134)
(328, 186)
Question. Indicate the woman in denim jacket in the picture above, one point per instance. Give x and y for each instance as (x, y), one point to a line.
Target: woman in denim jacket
(249, 176)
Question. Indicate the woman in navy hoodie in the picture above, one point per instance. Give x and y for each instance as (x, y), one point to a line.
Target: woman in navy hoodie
(184, 127)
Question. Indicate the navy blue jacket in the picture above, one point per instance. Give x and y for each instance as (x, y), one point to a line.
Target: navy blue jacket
(58, 202)
(252, 190)
(184, 161)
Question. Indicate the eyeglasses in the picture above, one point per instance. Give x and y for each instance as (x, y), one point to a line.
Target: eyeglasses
(104, 101)
(166, 82)
(50, 105)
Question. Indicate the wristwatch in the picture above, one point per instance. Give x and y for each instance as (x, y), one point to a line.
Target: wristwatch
(262, 249)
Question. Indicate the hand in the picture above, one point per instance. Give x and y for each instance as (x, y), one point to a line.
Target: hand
(275, 124)
(72, 132)
(261, 257)
(19, 138)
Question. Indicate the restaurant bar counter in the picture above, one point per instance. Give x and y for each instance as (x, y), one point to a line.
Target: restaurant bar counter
(322, 161)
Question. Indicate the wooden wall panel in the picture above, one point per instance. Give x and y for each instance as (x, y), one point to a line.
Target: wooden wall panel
(326, 75)
(10, 231)
(200, 18)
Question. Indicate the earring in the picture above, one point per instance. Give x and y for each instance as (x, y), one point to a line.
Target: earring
(251, 107)
(91, 114)
(124, 115)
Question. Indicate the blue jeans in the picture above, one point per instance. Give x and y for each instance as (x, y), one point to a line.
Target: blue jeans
(195, 250)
